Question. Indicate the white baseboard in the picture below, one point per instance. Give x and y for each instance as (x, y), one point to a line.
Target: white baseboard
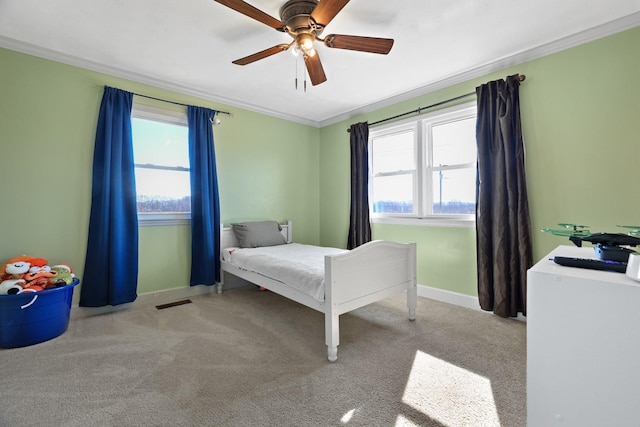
(145, 299)
(175, 294)
(455, 298)
(449, 297)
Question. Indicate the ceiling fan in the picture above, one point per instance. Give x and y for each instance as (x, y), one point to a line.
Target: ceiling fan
(304, 20)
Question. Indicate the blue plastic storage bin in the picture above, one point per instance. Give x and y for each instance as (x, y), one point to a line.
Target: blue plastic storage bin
(34, 317)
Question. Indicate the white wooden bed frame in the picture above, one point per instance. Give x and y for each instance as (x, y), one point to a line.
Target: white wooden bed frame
(369, 273)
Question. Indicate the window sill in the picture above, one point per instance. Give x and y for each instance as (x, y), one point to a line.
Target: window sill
(460, 221)
(163, 219)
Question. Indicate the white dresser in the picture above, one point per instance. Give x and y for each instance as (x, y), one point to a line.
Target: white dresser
(583, 345)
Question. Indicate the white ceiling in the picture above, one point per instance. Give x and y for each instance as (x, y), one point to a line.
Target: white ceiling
(188, 45)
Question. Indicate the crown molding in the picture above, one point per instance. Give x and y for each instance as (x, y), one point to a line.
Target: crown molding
(626, 23)
(607, 29)
(40, 52)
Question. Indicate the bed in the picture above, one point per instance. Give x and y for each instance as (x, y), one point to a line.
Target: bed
(349, 279)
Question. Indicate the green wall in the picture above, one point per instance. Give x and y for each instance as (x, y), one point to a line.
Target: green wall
(267, 168)
(581, 122)
(580, 118)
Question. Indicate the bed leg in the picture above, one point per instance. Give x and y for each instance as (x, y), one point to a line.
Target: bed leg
(219, 288)
(412, 301)
(332, 354)
(332, 335)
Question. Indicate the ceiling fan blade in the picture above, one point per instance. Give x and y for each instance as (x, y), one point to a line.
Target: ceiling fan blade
(326, 10)
(252, 12)
(362, 44)
(315, 70)
(262, 54)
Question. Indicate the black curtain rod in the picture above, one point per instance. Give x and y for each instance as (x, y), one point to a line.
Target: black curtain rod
(177, 103)
(521, 77)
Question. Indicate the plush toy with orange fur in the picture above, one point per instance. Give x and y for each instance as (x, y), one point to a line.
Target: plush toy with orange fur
(21, 265)
(26, 272)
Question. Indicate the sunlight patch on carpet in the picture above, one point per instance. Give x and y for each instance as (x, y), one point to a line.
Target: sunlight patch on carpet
(449, 394)
(348, 416)
(402, 421)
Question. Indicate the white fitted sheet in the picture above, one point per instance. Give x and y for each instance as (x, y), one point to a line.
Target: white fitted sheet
(294, 264)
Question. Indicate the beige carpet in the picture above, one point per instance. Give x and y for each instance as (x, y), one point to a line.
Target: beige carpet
(251, 358)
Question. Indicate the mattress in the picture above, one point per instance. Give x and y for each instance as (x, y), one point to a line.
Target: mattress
(294, 264)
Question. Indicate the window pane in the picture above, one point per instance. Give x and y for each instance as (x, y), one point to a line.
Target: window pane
(163, 190)
(454, 143)
(161, 145)
(393, 194)
(454, 191)
(392, 153)
(158, 143)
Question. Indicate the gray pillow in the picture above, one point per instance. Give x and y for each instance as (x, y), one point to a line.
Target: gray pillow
(255, 234)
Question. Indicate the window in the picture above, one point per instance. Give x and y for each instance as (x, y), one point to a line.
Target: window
(394, 173)
(161, 157)
(424, 170)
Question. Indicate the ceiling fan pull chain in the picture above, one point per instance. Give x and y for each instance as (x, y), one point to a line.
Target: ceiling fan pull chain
(304, 74)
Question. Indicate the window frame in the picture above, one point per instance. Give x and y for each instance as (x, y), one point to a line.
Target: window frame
(415, 174)
(148, 112)
(423, 151)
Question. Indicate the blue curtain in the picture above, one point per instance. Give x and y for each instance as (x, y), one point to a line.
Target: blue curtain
(205, 204)
(111, 264)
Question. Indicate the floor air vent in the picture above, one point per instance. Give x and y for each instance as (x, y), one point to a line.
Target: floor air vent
(173, 304)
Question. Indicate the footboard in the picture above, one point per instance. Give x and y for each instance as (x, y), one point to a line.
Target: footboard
(365, 275)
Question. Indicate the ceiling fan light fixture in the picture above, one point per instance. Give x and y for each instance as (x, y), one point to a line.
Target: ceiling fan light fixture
(305, 41)
(304, 44)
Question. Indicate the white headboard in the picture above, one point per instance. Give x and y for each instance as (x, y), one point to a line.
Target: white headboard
(228, 238)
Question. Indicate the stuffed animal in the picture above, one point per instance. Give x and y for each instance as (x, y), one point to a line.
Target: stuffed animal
(64, 274)
(40, 276)
(12, 275)
(15, 269)
(23, 272)
(20, 262)
(11, 287)
(29, 274)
